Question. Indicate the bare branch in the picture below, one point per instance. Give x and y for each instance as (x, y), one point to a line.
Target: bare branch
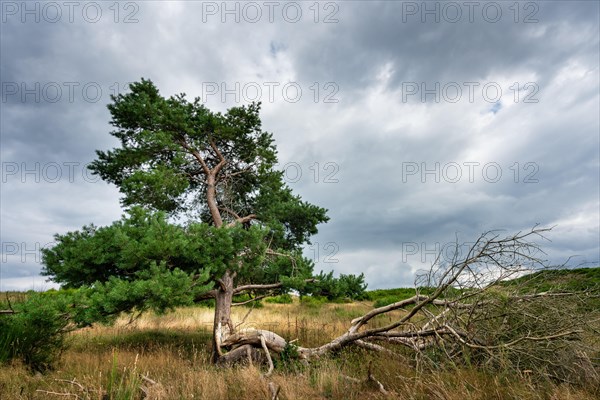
(241, 220)
(267, 286)
(266, 349)
(460, 337)
(257, 298)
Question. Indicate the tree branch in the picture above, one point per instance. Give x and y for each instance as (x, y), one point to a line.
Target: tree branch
(230, 212)
(211, 294)
(264, 286)
(251, 300)
(222, 159)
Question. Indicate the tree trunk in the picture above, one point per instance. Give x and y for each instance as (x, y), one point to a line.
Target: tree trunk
(211, 198)
(223, 326)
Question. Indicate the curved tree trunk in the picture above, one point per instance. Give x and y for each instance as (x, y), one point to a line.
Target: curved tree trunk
(222, 327)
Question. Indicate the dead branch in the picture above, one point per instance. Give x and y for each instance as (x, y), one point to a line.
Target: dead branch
(278, 285)
(468, 308)
(266, 349)
(460, 337)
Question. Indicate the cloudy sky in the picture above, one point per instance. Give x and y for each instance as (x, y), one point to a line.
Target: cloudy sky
(413, 122)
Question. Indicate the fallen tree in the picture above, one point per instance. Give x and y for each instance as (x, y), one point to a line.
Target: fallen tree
(469, 313)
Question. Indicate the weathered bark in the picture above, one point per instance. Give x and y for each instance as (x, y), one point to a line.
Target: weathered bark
(211, 199)
(223, 327)
(242, 354)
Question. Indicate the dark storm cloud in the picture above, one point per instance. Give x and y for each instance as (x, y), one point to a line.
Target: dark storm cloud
(478, 44)
(354, 133)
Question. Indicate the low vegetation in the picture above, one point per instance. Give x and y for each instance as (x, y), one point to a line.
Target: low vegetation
(168, 356)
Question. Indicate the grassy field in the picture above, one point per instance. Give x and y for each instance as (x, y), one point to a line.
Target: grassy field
(167, 357)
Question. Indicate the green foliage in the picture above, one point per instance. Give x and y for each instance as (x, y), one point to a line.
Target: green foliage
(158, 167)
(557, 280)
(130, 249)
(398, 294)
(313, 301)
(389, 296)
(345, 286)
(175, 156)
(582, 280)
(245, 298)
(177, 159)
(353, 286)
(35, 334)
(285, 298)
(158, 289)
(384, 301)
(504, 320)
(289, 359)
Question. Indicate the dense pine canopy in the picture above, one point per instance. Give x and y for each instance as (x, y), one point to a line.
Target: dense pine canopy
(179, 161)
(174, 152)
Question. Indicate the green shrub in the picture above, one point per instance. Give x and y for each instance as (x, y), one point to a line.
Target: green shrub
(35, 334)
(313, 301)
(384, 301)
(285, 298)
(352, 287)
(399, 293)
(289, 359)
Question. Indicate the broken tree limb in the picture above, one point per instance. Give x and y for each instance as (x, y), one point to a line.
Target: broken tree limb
(268, 354)
(257, 298)
(469, 307)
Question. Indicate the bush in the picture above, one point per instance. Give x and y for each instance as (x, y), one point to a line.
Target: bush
(384, 301)
(313, 301)
(35, 334)
(289, 359)
(405, 293)
(345, 286)
(285, 298)
(400, 293)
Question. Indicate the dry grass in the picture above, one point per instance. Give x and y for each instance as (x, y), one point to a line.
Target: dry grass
(173, 351)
